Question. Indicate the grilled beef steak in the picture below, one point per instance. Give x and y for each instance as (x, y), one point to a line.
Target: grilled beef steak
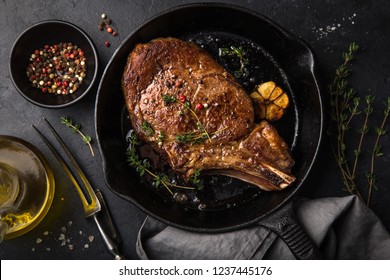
(191, 110)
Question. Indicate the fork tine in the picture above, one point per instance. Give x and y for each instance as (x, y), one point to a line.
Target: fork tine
(91, 207)
(105, 214)
(73, 161)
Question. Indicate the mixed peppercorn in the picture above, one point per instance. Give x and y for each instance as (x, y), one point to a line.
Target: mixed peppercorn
(105, 23)
(57, 69)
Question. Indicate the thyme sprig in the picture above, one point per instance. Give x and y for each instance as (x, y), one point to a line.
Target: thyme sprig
(199, 124)
(196, 137)
(196, 180)
(377, 152)
(142, 166)
(239, 53)
(191, 137)
(345, 106)
(76, 128)
(363, 131)
(168, 99)
(147, 127)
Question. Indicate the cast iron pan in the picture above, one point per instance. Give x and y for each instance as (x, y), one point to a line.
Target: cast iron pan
(274, 54)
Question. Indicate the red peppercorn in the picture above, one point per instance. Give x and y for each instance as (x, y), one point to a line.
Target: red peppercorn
(199, 106)
(182, 98)
(109, 30)
(115, 33)
(107, 44)
(45, 61)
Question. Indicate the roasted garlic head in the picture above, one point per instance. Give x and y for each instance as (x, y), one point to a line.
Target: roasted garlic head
(270, 101)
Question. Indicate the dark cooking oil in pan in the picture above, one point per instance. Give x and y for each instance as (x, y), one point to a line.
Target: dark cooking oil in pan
(221, 192)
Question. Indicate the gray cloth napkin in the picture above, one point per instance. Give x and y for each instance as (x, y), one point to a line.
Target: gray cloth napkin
(341, 227)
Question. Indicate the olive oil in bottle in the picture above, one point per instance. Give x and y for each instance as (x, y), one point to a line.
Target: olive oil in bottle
(26, 187)
(13, 216)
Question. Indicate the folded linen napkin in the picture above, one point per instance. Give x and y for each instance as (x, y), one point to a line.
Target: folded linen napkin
(341, 227)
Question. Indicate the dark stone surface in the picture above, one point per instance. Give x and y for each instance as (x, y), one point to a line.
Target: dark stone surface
(327, 26)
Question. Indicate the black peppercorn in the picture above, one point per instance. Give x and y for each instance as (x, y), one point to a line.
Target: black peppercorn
(55, 69)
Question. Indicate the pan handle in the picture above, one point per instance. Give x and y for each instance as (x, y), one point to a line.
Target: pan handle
(284, 223)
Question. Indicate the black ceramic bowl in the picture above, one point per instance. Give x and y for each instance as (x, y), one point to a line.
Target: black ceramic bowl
(49, 33)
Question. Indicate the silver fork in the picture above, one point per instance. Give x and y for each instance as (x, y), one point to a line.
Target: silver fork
(93, 205)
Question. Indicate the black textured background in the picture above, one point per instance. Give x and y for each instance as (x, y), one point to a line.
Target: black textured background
(328, 26)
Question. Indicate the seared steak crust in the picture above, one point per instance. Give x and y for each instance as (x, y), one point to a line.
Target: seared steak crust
(175, 88)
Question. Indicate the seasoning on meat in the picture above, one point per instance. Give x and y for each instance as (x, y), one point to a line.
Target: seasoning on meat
(164, 82)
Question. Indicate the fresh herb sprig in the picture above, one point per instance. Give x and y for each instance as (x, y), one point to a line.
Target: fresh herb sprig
(142, 166)
(196, 137)
(168, 99)
(376, 151)
(345, 106)
(76, 127)
(196, 180)
(239, 53)
(191, 137)
(147, 127)
(199, 124)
